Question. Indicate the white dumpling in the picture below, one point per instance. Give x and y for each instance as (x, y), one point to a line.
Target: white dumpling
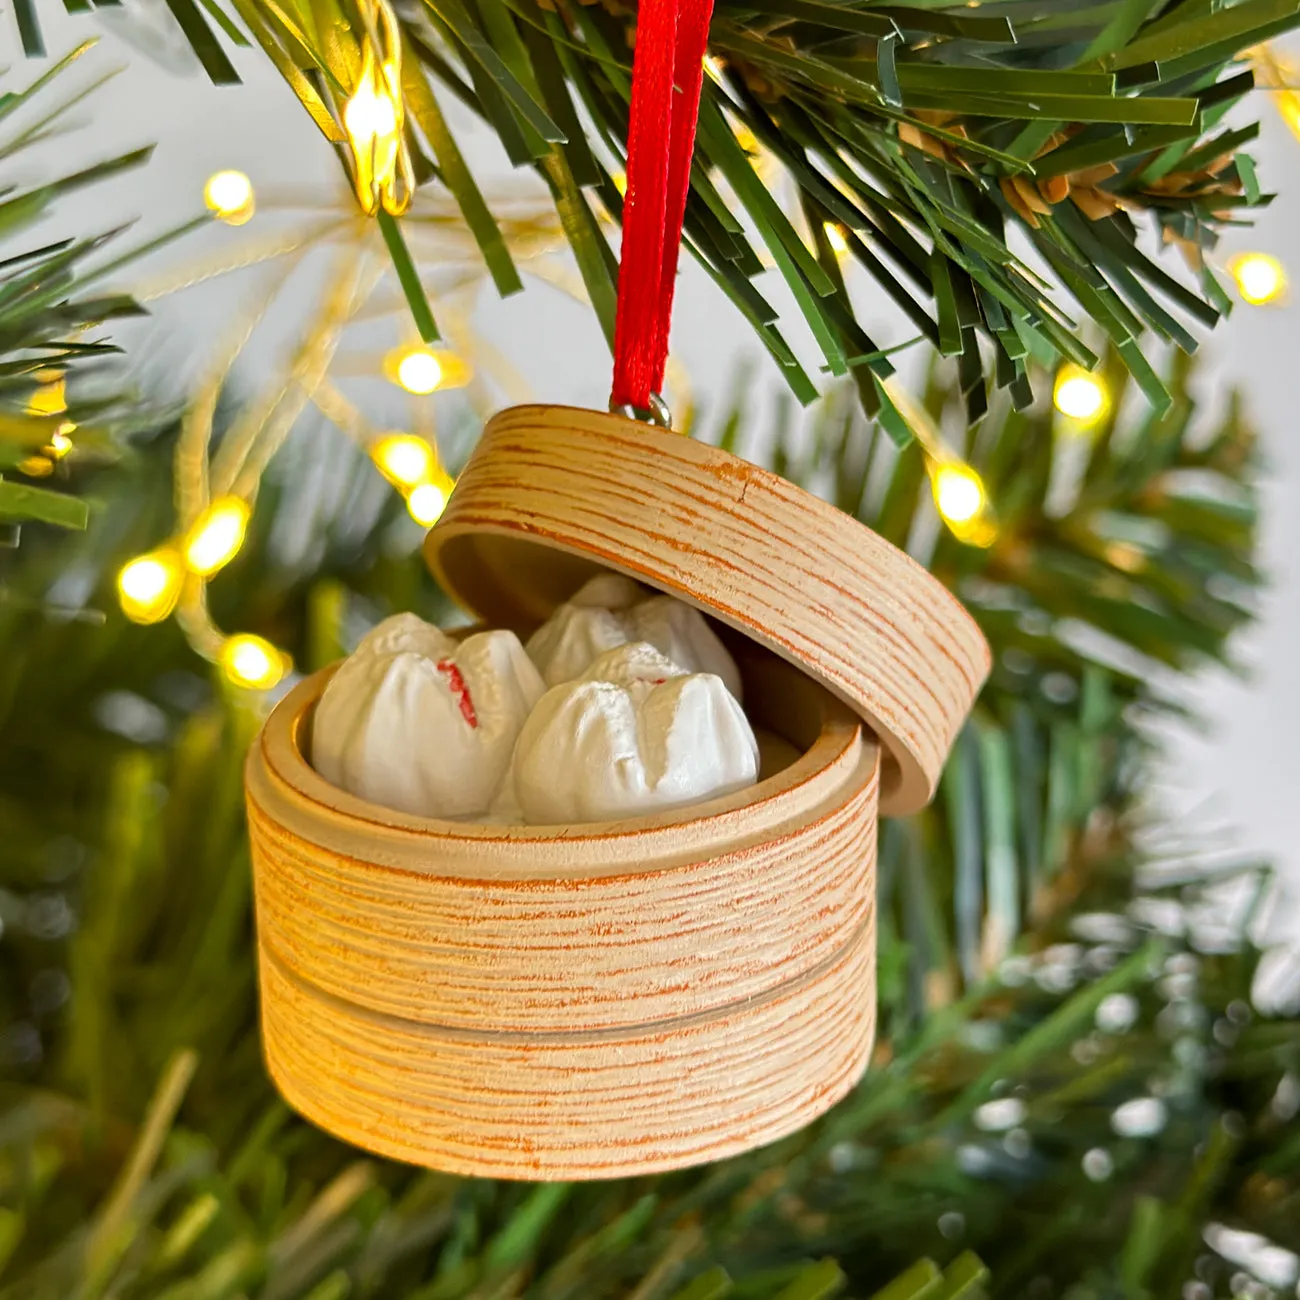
(682, 634)
(406, 632)
(611, 610)
(418, 722)
(610, 591)
(635, 734)
(567, 644)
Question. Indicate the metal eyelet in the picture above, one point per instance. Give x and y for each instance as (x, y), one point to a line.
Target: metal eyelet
(657, 413)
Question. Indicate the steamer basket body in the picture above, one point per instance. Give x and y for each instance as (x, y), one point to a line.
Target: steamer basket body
(570, 1002)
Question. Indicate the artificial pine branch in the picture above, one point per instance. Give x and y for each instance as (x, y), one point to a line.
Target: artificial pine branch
(928, 133)
(46, 310)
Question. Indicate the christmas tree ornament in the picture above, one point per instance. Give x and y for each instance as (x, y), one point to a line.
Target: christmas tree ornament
(597, 999)
(589, 999)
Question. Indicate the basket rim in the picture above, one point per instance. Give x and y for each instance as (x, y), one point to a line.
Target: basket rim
(281, 780)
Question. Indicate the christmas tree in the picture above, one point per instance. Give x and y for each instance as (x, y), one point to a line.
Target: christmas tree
(1072, 1083)
(1074, 1092)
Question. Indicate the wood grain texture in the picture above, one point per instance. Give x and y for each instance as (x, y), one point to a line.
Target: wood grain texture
(711, 918)
(551, 492)
(570, 1001)
(573, 1106)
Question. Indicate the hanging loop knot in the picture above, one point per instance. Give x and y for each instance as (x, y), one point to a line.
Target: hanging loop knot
(667, 74)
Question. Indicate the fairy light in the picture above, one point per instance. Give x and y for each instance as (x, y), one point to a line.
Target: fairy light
(148, 585)
(216, 536)
(1288, 106)
(1277, 74)
(410, 464)
(374, 116)
(370, 114)
(746, 138)
(404, 459)
(958, 493)
(1259, 276)
(427, 501)
(252, 662)
(1079, 396)
(835, 238)
(422, 370)
(49, 399)
(419, 371)
(962, 501)
(229, 197)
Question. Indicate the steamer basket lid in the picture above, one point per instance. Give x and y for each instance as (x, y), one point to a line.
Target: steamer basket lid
(553, 494)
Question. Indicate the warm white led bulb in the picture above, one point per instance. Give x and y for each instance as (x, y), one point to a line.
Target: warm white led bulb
(368, 114)
(405, 459)
(252, 662)
(426, 503)
(217, 536)
(229, 196)
(148, 586)
(1079, 395)
(1260, 278)
(419, 371)
(958, 493)
(144, 580)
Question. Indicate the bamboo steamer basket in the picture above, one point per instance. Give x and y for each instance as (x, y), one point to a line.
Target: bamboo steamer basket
(612, 999)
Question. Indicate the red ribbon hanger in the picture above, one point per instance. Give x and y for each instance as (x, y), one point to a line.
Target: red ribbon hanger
(667, 72)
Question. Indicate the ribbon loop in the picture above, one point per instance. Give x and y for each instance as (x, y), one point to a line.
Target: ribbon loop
(667, 73)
